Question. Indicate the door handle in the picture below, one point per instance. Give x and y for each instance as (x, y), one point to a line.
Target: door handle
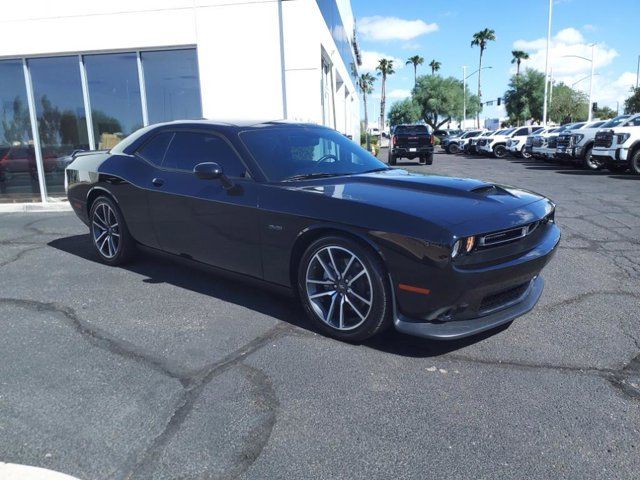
(157, 182)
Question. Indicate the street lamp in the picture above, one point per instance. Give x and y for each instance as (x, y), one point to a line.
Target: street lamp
(464, 90)
(546, 67)
(593, 49)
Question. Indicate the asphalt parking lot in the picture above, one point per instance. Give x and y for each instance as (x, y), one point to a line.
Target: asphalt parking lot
(162, 371)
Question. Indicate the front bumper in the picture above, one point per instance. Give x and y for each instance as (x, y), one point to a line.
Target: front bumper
(611, 155)
(471, 300)
(464, 328)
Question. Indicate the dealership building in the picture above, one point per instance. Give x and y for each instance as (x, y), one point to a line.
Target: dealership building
(81, 75)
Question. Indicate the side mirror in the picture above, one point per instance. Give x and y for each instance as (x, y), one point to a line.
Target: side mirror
(212, 171)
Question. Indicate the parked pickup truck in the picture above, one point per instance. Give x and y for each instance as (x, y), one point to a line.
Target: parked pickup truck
(576, 145)
(618, 147)
(411, 141)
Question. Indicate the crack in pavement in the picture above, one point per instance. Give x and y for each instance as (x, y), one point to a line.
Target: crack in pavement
(20, 254)
(193, 382)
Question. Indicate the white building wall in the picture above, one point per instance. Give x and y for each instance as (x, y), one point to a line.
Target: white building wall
(241, 45)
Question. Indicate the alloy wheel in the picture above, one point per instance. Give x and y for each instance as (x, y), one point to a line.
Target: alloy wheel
(339, 288)
(106, 230)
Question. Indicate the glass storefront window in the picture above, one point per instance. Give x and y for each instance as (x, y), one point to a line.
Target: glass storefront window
(171, 84)
(114, 93)
(62, 122)
(18, 171)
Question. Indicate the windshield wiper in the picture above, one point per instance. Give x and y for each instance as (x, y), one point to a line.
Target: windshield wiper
(381, 169)
(309, 176)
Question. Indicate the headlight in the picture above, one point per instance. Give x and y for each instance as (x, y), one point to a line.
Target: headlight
(623, 137)
(577, 137)
(464, 245)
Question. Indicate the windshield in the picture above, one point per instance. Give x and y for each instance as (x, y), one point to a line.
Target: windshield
(286, 152)
(472, 133)
(614, 122)
(575, 126)
(595, 125)
(412, 129)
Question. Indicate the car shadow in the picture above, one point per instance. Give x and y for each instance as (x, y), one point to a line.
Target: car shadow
(160, 268)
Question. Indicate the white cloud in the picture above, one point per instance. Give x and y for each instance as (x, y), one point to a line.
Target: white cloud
(565, 47)
(370, 61)
(393, 28)
(399, 93)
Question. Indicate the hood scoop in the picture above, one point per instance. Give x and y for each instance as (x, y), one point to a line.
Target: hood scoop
(491, 189)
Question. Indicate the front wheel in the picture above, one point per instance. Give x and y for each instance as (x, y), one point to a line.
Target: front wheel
(109, 233)
(391, 159)
(344, 289)
(500, 151)
(634, 163)
(591, 163)
(454, 149)
(525, 154)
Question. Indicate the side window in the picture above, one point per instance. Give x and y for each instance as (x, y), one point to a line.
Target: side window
(153, 151)
(190, 148)
(635, 122)
(522, 131)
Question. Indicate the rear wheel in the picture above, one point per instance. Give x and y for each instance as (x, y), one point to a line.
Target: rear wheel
(500, 151)
(427, 159)
(343, 289)
(109, 233)
(454, 148)
(634, 163)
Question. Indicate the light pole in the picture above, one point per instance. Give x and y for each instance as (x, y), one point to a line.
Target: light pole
(638, 72)
(593, 64)
(464, 90)
(546, 67)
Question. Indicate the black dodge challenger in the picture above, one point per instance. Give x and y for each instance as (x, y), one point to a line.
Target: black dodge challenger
(302, 208)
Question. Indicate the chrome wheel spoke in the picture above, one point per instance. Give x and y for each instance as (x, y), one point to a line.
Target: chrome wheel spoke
(353, 279)
(346, 269)
(333, 263)
(362, 299)
(324, 267)
(354, 308)
(341, 324)
(331, 308)
(320, 282)
(106, 236)
(322, 294)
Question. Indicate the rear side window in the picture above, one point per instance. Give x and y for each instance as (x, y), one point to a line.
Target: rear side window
(153, 151)
(188, 149)
(634, 122)
(522, 131)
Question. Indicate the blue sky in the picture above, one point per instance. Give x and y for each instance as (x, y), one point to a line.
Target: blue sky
(442, 30)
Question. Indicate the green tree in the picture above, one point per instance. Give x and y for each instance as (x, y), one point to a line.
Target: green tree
(525, 97)
(632, 104)
(441, 99)
(384, 68)
(365, 82)
(481, 39)
(604, 113)
(435, 66)
(404, 112)
(16, 126)
(518, 56)
(568, 105)
(415, 61)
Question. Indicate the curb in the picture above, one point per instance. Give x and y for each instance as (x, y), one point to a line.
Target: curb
(35, 207)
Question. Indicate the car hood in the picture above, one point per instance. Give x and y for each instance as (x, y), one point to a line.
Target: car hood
(446, 201)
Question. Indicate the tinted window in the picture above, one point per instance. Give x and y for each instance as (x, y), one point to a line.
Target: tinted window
(521, 131)
(172, 88)
(576, 126)
(114, 92)
(287, 152)
(412, 129)
(187, 149)
(634, 123)
(614, 122)
(153, 151)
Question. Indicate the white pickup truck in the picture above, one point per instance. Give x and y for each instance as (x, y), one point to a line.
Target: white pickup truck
(618, 147)
(576, 145)
(516, 144)
(496, 145)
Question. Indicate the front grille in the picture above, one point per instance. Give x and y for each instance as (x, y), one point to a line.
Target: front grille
(604, 139)
(504, 298)
(512, 234)
(539, 141)
(552, 142)
(565, 140)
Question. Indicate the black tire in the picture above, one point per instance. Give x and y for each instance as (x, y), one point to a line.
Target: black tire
(125, 246)
(391, 159)
(589, 163)
(379, 315)
(427, 159)
(617, 168)
(634, 163)
(500, 151)
(454, 149)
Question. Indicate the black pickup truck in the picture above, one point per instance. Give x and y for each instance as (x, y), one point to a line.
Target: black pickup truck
(411, 141)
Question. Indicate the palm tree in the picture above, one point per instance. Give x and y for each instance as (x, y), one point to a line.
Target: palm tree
(480, 39)
(365, 82)
(415, 60)
(518, 56)
(384, 68)
(435, 66)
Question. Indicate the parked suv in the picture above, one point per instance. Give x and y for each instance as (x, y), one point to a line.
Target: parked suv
(575, 145)
(618, 147)
(496, 145)
(411, 141)
(515, 144)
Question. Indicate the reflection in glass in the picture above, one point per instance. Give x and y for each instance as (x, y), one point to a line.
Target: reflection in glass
(114, 93)
(61, 119)
(18, 171)
(171, 84)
